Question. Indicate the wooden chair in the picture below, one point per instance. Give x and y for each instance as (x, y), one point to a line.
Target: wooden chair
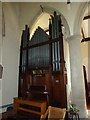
(53, 113)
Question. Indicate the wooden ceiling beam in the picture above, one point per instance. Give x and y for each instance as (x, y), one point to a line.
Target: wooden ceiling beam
(86, 17)
(85, 39)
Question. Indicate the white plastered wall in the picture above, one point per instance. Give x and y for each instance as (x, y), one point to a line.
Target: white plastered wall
(10, 55)
(0, 54)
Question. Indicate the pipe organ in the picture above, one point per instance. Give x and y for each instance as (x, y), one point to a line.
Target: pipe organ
(42, 65)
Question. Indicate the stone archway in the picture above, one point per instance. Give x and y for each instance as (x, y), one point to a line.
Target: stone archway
(79, 17)
(50, 11)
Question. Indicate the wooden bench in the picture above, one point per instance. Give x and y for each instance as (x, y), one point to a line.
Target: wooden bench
(31, 106)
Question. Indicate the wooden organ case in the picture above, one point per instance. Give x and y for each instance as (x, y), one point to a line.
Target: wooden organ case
(42, 65)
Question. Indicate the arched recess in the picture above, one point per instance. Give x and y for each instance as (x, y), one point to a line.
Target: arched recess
(66, 33)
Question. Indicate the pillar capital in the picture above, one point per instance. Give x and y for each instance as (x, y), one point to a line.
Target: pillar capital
(74, 37)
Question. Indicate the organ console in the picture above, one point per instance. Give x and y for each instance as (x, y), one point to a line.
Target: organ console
(42, 65)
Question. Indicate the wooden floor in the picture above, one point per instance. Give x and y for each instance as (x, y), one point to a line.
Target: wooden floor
(20, 116)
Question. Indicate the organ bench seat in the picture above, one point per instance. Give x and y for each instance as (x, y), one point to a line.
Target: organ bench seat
(31, 106)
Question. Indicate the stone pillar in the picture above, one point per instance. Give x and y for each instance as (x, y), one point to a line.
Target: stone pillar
(77, 80)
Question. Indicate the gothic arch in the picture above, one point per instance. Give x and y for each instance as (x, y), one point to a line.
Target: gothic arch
(79, 18)
(50, 11)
